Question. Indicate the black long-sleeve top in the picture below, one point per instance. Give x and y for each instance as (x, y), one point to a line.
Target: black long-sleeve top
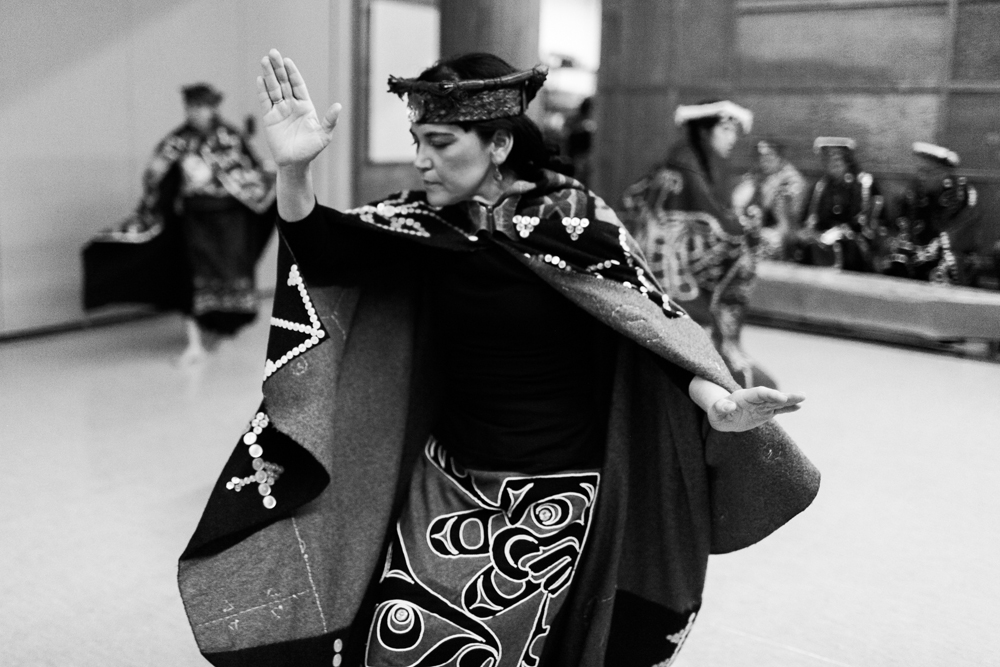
(525, 374)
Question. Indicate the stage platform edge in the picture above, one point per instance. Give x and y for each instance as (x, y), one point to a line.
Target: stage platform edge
(897, 310)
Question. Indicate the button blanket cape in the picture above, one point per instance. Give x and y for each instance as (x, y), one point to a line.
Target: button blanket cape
(346, 410)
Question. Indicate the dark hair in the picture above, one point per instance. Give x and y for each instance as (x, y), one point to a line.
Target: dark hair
(201, 94)
(530, 153)
(697, 129)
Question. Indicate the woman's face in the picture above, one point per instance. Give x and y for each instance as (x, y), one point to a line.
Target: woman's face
(200, 116)
(769, 161)
(722, 138)
(836, 164)
(931, 174)
(455, 165)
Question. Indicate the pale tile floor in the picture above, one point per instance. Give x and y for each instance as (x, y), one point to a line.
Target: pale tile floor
(108, 452)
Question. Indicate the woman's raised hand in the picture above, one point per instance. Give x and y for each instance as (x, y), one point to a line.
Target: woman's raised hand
(294, 132)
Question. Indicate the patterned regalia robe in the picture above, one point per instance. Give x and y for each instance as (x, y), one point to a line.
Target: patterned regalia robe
(935, 234)
(703, 252)
(296, 530)
(204, 218)
(781, 198)
(844, 223)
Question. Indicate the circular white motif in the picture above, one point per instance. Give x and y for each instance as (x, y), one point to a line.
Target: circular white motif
(401, 618)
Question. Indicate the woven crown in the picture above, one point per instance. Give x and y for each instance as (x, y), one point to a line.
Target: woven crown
(470, 99)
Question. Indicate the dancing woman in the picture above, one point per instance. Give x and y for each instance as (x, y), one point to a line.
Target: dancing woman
(194, 240)
(702, 244)
(487, 436)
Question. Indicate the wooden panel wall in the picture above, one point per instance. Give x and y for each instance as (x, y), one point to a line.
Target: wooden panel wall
(508, 29)
(654, 54)
(886, 72)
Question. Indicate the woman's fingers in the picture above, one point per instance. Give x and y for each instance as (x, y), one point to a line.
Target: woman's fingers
(281, 75)
(262, 96)
(766, 397)
(295, 80)
(794, 399)
(761, 396)
(271, 85)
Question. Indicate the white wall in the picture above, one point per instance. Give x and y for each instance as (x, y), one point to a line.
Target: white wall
(89, 88)
(571, 28)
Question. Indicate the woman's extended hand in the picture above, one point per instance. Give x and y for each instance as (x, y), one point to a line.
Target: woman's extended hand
(745, 409)
(292, 128)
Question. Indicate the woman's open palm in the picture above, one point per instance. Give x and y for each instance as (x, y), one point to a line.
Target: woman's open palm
(745, 409)
(294, 131)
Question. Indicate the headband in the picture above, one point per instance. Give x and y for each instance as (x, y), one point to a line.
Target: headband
(834, 142)
(469, 99)
(724, 110)
(939, 154)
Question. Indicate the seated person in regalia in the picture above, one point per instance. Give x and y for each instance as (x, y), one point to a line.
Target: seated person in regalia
(844, 212)
(934, 236)
(779, 192)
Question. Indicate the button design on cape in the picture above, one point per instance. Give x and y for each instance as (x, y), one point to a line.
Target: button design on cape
(266, 473)
(575, 226)
(314, 330)
(556, 261)
(525, 224)
(398, 215)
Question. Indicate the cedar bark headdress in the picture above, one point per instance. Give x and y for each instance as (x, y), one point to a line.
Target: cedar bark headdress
(469, 99)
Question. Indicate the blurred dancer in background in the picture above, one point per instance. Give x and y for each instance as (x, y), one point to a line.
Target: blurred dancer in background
(935, 235)
(843, 223)
(194, 240)
(700, 244)
(780, 192)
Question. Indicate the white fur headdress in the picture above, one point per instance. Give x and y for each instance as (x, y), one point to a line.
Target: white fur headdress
(938, 153)
(834, 142)
(725, 110)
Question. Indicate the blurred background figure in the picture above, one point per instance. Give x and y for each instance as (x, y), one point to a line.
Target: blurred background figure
(192, 245)
(580, 130)
(779, 191)
(934, 237)
(844, 213)
(701, 247)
